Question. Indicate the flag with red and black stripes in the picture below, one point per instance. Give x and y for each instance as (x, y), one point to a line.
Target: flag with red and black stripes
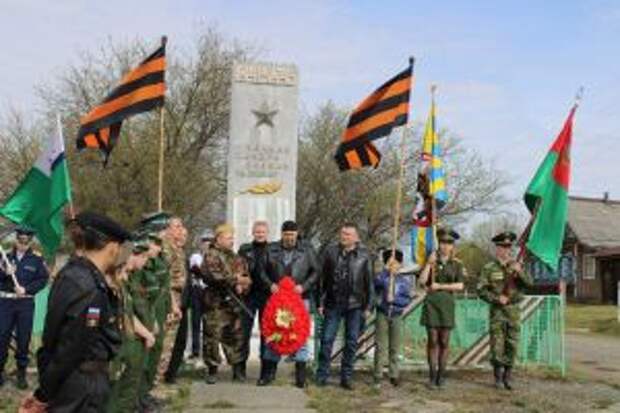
(374, 118)
(139, 91)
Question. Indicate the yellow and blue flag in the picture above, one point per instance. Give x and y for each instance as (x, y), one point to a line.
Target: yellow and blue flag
(432, 163)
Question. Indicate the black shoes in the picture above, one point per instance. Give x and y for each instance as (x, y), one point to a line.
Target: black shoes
(300, 374)
(507, 379)
(394, 381)
(497, 373)
(211, 375)
(268, 371)
(239, 373)
(22, 383)
(347, 385)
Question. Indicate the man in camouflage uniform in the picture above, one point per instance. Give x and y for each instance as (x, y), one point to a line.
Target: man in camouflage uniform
(501, 284)
(227, 279)
(176, 236)
(154, 280)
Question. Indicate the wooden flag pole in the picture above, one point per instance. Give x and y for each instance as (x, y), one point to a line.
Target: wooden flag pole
(397, 206)
(160, 192)
(434, 215)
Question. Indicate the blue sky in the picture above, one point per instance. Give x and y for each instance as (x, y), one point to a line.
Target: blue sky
(507, 71)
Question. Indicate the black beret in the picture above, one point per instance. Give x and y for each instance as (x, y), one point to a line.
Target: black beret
(22, 230)
(447, 235)
(387, 254)
(103, 225)
(289, 226)
(506, 238)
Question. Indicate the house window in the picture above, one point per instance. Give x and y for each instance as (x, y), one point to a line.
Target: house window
(589, 267)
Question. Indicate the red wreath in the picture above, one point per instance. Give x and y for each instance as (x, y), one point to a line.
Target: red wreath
(285, 324)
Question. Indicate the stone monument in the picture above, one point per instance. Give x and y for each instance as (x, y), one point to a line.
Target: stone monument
(262, 155)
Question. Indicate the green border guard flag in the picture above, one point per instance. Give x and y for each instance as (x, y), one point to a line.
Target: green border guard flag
(547, 198)
(39, 199)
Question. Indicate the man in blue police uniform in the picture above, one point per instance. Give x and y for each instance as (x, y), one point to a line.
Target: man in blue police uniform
(21, 278)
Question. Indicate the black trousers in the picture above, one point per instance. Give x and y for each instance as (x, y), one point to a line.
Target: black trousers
(82, 393)
(180, 343)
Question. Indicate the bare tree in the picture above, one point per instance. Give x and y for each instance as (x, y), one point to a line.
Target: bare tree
(327, 197)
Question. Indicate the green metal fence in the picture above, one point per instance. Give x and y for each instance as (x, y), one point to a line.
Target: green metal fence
(541, 342)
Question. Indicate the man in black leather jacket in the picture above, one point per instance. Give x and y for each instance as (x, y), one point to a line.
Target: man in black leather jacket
(256, 255)
(81, 334)
(291, 257)
(346, 292)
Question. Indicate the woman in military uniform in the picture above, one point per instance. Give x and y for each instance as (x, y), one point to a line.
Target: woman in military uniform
(442, 276)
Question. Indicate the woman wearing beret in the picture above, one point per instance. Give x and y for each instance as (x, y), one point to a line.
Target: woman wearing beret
(442, 275)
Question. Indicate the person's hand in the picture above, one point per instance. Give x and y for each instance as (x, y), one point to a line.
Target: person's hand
(503, 300)
(299, 289)
(20, 291)
(274, 288)
(432, 258)
(239, 289)
(367, 314)
(434, 287)
(32, 405)
(149, 341)
(321, 311)
(516, 267)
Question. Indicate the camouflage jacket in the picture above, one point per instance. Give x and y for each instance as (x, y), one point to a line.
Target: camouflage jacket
(178, 272)
(223, 271)
(495, 280)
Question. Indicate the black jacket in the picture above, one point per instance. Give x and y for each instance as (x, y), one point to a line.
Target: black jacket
(256, 255)
(359, 291)
(303, 268)
(81, 325)
(30, 272)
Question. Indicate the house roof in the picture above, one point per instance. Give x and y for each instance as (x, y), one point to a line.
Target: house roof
(595, 221)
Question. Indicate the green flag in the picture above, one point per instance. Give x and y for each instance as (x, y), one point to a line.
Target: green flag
(39, 199)
(547, 198)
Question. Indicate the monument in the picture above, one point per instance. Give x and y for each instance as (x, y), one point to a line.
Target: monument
(262, 153)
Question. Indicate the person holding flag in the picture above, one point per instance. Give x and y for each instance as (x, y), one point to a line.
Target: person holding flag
(22, 275)
(443, 275)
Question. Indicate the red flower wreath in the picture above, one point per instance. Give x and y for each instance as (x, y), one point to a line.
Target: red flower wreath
(285, 324)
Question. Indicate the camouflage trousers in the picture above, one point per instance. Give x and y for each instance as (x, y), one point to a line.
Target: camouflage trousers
(125, 395)
(222, 326)
(504, 329)
(170, 335)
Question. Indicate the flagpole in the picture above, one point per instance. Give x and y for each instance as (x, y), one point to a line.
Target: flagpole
(397, 206)
(434, 215)
(160, 192)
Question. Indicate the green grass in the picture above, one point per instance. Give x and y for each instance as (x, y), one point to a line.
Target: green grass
(599, 319)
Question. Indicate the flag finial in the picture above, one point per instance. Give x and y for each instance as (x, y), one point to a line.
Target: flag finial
(579, 95)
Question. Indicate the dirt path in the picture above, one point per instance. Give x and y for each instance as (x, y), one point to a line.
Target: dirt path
(595, 357)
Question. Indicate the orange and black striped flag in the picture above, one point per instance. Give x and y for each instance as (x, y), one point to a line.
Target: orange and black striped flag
(140, 90)
(374, 118)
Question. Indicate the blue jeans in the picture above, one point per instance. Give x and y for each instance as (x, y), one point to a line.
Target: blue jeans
(16, 314)
(331, 324)
(301, 355)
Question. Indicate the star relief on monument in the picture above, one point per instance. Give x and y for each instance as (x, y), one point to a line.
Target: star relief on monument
(264, 115)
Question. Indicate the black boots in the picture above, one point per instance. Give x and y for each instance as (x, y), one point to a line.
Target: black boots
(441, 376)
(1, 379)
(239, 372)
(508, 377)
(300, 374)
(268, 371)
(211, 375)
(22, 383)
(432, 375)
(497, 373)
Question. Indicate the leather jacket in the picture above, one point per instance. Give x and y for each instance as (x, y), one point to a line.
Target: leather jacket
(303, 267)
(358, 289)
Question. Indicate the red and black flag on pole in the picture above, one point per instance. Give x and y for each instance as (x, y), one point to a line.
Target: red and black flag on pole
(374, 118)
(139, 91)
